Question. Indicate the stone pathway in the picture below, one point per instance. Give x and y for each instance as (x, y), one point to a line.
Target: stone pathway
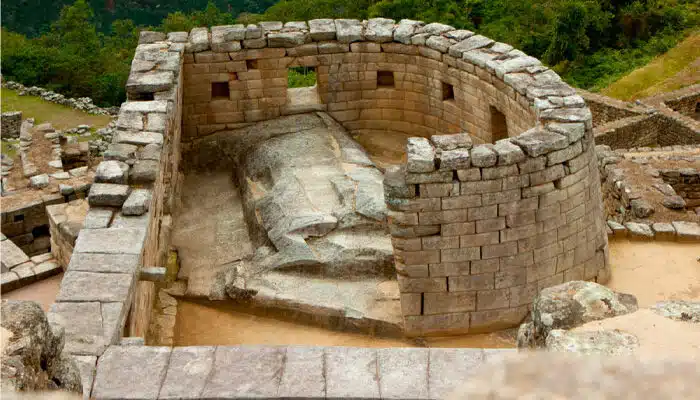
(243, 372)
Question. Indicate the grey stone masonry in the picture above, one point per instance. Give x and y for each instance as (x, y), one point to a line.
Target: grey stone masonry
(244, 372)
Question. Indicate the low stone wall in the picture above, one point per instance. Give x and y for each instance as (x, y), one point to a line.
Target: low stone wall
(26, 222)
(680, 231)
(606, 109)
(685, 182)
(655, 129)
(82, 103)
(243, 372)
(684, 101)
(65, 222)
(11, 123)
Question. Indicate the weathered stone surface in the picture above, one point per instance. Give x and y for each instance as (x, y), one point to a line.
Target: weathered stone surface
(610, 342)
(451, 142)
(421, 155)
(303, 375)
(119, 365)
(322, 29)
(449, 366)
(286, 39)
(351, 372)
(98, 217)
(639, 231)
(573, 131)
(537, 142)
(32, 352)
(687, 231)
(86, 367)
(678, 310)
(569, 305)
(198, 40)
(108, 194)
(139, 138)
(469, 44)
(100, 262)
(112, 172)
(403, 373)
(508, 153)
(137, 203)
(11, 255)
(245, 372)
(187, 372)
(95, 286)
(455, 159)
(150, 82)
(39, 181)
(405, 30)
(110, 241)
(144, 171)
(348, 30)
(641, 208)
(484, 156)
(380, 30)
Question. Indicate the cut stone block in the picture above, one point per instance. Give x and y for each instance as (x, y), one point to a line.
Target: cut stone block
(137, 203)
(639, 231)
(110, 241)
(119, 367)
(484, 156)
(421, 155)
(664, 231)
(108, 194)
(687, 231)
(98, 217)
(351, 372)
(403, 373)
(245, 372)
(537, 142)
(95, 286)
(112, 171)
(96, 262)
(82, 323)
(11, 255)
(303, 375)
(187, 372)
(449, 367)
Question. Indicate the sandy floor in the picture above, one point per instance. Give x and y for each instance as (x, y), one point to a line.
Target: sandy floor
(655, 271)
(43, 292)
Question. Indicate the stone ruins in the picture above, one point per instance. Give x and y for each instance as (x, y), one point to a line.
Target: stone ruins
(431, 182)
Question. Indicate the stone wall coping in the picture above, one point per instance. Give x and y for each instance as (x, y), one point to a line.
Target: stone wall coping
(678, 231)
(239, 372)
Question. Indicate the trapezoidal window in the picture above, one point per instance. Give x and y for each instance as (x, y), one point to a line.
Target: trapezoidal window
(302, 91)
(499, 126)
(219, 90)
(385, 79)
(448, 92)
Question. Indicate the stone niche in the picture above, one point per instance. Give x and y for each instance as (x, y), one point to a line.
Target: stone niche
(479, 222)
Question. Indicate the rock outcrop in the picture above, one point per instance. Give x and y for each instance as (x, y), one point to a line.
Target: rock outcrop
(32, 358)
(570, 305)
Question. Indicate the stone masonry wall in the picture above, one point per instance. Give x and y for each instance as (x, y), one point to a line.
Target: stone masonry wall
(126, 226)
(11, 122)
(439, 84)
(606, 109)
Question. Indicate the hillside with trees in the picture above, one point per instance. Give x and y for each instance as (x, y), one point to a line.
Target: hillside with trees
(85, 48)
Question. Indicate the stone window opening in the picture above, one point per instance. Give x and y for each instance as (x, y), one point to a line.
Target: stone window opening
(19, 218)
(219, 90)
(302, 88)
(385, 79)
(499, 126)
(251, 64)
(448, 92)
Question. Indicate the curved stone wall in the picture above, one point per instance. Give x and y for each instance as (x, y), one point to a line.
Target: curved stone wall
(480, 222)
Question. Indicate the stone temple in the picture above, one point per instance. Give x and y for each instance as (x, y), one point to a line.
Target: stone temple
(458, 169)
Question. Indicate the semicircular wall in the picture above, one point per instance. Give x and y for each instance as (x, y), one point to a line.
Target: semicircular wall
(480, 222)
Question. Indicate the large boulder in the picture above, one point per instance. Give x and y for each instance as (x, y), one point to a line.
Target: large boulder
(32, 358)
(570, 305)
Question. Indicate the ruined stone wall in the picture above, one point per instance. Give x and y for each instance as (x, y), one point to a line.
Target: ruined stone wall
(11, 122)
(606, 109)
(655, 129)
(685, 101)
(373, 78)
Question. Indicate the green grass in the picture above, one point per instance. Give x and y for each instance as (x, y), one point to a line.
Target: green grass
(301, 77)
(8, 149)
(673, 70)
(61, 117)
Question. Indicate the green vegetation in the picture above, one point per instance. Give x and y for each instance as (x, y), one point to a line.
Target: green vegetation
(677, 68)
(301, 77)
(61, 117)
(591, 43)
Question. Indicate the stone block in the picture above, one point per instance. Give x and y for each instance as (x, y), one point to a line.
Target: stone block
(144, 171)
(419, 285)
(351, 372)
(687, 231)
(245, 372)
(119, 365)
(455, 159)
(11, 255)
(303, 375)
(108, 194)
(112, 171)
(537, 142)
(640, 231)
(492, 299)
(137, 203)
(97, 262)
(663, 231)
(322, 29)
(95, 286)
(187, 372)
(449, 302)
(110, 241)
(483, 156)
(452, 142)
(449, 367)
(86, 366)
(403, 373)
(461, 254)
(421, 155)
(83, 327)
(435, 325)
(349, 30)
(98, 217)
